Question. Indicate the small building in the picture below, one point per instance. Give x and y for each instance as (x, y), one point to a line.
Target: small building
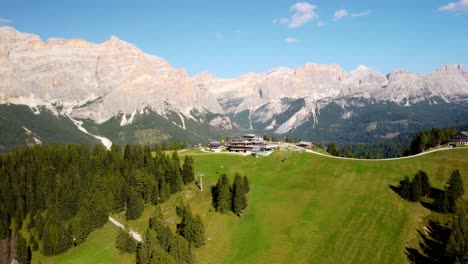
(248, 143)
(214, 144)
(252, 137)
(305, 144)
(270, 147)
(461, 138)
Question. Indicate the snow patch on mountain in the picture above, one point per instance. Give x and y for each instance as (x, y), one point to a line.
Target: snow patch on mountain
(79, 124)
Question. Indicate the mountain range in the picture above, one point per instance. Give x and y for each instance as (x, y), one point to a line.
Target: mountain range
(113, 92)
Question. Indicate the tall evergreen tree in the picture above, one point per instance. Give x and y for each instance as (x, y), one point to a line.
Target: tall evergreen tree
(457, 245)
(333, 149)
(124, 241)
(425, 184)
(191, 228)
(180, 251)
(23, 251)
(246, 184)
(405, 188)
(441, 202)
(415, 189)
(455, 185)
(239, 201)
(223, 187)
(150, 251)
(135, 206)
(188, 175)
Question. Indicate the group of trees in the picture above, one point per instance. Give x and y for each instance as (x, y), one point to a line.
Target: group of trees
(125, 241)
(383, 150)
(444, 201)
(160, 245)
(61, 193)
(191, 227)
(227, 197)
(402, 145)
(429, 139)
(333, 149)
(417, 188)
(441, 243)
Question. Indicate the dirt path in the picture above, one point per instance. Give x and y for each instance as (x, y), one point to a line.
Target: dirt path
(134, 234)
(399, 158)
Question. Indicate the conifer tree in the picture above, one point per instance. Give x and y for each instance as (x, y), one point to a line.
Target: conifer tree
(441, 202)
(173, 175)
(415, 189)
(425, 184)
(239, 201)
(191, 228)
(333, 149)
(135, 206)
(23, 251)
(457, 245)
(164, 191)
(246, 184)
(188, 175)
(405, 188)
(455, 185)
(124, 241)
(180, 251)
(223, 189)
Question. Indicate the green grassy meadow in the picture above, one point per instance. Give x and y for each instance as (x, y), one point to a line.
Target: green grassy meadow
(98, 248)
(307, 209)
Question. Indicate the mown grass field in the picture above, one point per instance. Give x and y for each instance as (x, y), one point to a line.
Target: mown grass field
(307, 209)
(98, 248)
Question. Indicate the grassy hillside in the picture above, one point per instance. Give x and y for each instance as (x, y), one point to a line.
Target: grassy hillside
(307, 209)
(98, 248)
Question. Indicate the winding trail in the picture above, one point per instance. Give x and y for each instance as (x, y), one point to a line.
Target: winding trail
(134, 234)
(389, 159)
(335, 157)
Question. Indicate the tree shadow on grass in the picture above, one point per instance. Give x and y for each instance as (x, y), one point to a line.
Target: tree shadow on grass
(395, 189)
(434, 239)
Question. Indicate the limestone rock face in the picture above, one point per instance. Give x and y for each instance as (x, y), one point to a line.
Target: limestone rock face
(96, 81)
(261, 93)
(99, 81)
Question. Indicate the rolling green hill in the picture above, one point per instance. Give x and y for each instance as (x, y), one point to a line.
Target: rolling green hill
(307, 209)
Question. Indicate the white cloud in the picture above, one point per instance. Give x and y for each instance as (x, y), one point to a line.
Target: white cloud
(340, 14)
(4, 21)
(290, 40)
(303, 12)
(360, 14)
(320, 23)
(461, 5)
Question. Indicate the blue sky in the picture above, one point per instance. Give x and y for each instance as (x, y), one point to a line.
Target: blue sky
(229, 38)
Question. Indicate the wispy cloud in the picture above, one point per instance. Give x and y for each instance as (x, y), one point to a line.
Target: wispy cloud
(4, 21)
(340, 14)
(303, 12)
(363, 13)
(290, 40)
(320, 23)
(461, 5)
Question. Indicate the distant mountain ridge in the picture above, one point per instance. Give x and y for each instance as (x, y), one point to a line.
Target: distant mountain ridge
(99, 83)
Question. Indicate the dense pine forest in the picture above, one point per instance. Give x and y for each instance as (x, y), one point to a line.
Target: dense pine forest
(52, 197)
